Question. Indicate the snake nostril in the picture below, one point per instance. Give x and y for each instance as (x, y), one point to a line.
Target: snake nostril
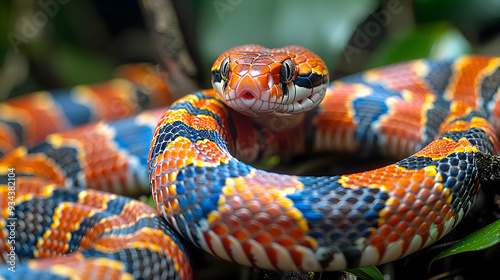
(248, 95)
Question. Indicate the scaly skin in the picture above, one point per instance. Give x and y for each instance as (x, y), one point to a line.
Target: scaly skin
(446, 111)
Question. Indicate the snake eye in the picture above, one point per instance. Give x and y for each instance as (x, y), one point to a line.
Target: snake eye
(224, 69)
(287, 71)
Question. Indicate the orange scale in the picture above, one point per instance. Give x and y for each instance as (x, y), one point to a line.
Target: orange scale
(425, 211)
(409, 199)
(402, 210)
(264, 219)
(415, 188)
(304, 68)
(262, 82)
(163, 179)
(177, 144)
(312, 62)
(418, 205)
(439, 220)
(253, 227)
(393, 237)
(424, 194)
(296, 233)
(236, 202)
(428, 183)
(258, 70)
(376, 241)
(163, 168)
(439, 206)
(409, 233)
(432, 200)
(243, 214)
(180, 163)
(165, 155)
(384, 230)
(279, 57)
(186, 145)
(299, 59)
(241, 69)
(446, 194)
(263, 238)
(424, 228)
(171, 165)
(394, 202)
(225, 210)
(256, 189)
(410, 216)
(233, 222)
(286, 242)
(386, 213)
(387, 185)
(319, 69)
(167, 210)
(43, 253)
(275, 230)
(174, 205)
(417, 222)
(241, 235)
(246, 195)
(243, 58)
(284, 222)
(182, 153)
(402, 227)
(164, 193)
(394, 221)
(418, 176)
(404, 182)
(275, 68)
(447, 212)
(400, 192)
(234, 80)
(432, 217)
(438, 189)
(265, 199)
(273, 210)
(308, 242)
(267, 60)
(254, 207)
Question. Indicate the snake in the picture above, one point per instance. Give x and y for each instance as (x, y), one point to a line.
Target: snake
(66, 217)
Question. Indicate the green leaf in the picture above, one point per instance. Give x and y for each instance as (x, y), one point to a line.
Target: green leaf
(148, 199)
(461, 13)
(433, 40)
(78, 66)
(484, 238)
(367, 273)
(268, 163)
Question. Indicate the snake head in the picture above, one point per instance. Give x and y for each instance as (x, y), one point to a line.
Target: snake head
(262, 82)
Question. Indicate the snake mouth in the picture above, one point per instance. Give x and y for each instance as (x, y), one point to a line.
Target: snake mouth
(248, 103)
(313, 98)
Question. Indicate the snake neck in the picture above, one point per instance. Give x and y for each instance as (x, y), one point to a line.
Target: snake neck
(280, 123)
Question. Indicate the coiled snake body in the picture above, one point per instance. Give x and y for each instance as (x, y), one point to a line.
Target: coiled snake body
(446, 111)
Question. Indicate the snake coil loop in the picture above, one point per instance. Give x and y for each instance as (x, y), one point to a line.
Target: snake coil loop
(196, 173)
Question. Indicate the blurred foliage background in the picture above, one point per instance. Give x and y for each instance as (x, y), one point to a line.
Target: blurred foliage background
(47, 44)
(59, 43)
